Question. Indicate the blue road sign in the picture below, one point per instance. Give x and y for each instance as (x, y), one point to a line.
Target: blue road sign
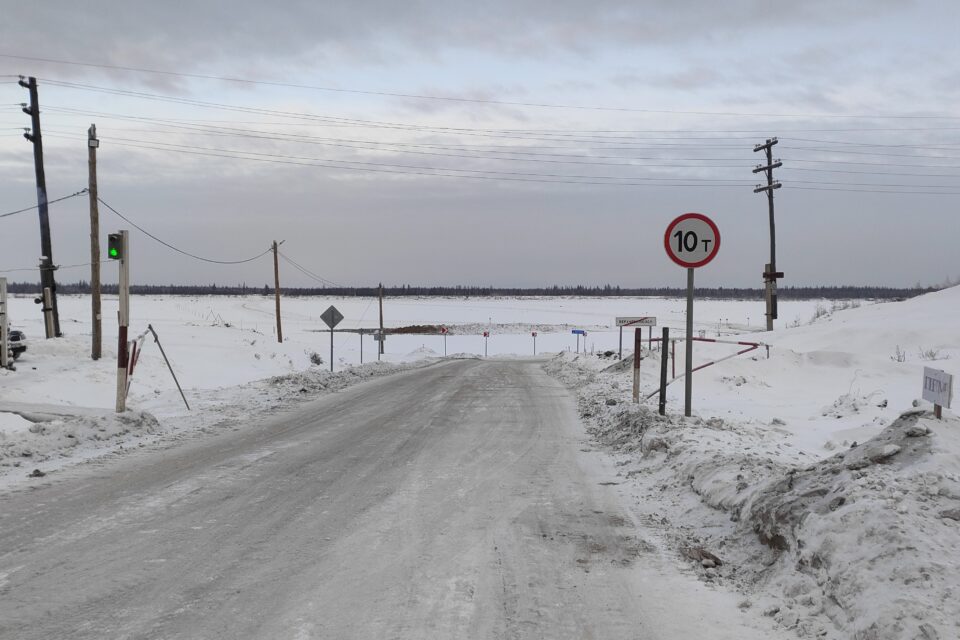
(579, 332)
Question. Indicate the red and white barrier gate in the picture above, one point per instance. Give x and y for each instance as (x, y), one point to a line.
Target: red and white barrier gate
(751, 346)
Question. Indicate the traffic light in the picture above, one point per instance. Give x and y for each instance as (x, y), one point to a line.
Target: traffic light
(115, 246)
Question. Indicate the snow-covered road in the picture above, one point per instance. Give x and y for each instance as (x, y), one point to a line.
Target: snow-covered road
(460, 500)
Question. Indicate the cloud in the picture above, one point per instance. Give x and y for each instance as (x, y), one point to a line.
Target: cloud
(250, 36)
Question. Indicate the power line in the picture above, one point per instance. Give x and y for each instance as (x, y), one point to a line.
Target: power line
(422, 170)
(31, 208)
(170, 246)
(871, 153)
(871, 144)
(752, 132)
(881, 191)
(327, 120)
(58, 267)
(391, 94)
(307, 272)
(496, 175)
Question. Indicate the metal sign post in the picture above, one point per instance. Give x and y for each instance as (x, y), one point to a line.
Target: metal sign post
(691, 240)
(444, 331)
(486, 336)
(534, 334)
(4, 355)
(938, 389)
(578, 333)
(663, 371)
(123, 288)
(637, 356)
(332, 318)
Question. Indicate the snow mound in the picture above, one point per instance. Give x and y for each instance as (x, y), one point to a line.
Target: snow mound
(869, 536)
(51, 436)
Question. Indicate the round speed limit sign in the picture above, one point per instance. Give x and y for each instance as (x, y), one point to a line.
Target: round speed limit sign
(692, 240)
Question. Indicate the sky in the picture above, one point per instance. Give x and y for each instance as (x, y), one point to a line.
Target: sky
(495, 143)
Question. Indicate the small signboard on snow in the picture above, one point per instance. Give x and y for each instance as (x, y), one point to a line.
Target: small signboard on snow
(937, 387)
(637, 321)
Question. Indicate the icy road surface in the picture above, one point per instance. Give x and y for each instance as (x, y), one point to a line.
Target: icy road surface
(455, 501)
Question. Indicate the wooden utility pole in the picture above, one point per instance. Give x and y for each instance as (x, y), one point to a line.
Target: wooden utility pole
(276, 290)
(92, 144)
(379, 353)
(46, 249)
(770, 273)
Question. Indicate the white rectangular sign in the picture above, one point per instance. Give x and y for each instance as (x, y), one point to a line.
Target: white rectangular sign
(937, 386)
(637, 321)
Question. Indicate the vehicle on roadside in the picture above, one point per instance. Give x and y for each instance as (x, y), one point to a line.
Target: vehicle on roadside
(16, 343)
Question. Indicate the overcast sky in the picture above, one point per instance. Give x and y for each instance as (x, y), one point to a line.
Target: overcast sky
(489, 143)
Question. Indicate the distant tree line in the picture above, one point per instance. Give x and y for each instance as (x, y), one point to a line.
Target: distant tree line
(461, 291)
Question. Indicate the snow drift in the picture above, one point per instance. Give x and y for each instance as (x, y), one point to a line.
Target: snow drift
(839, 518)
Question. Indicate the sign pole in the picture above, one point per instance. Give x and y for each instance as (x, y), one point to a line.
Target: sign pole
(361, 346)
(663, 372)
(688, 383)
(124, 321)
(637, 348)
(692, 240)
(4, 362)
(620, 350)
(332, 317)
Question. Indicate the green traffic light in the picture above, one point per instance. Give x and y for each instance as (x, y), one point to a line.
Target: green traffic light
(113, 252)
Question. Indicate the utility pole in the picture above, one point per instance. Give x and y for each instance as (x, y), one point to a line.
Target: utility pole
(92, 144)
(46, 249)
(380, 352)
(276, 288)
(770, 273)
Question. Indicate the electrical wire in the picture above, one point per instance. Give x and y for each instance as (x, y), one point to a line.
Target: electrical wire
(871, 153)
(49, 202)
(57, 267)
(391, 94)
(178, 250)
(434, 171)
(437, 172)
(312, 117)
(307, 272)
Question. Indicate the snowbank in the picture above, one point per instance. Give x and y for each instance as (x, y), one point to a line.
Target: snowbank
(830, 505)
(47, 437)
(869, 535)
